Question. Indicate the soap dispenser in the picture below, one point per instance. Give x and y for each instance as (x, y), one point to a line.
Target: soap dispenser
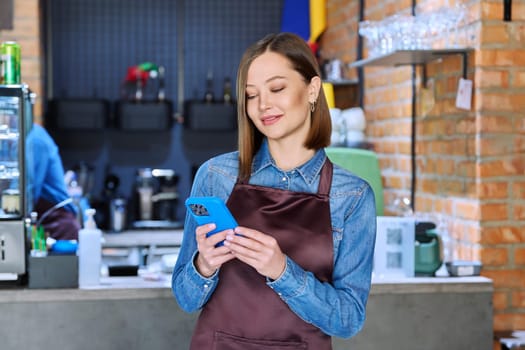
(89, 251)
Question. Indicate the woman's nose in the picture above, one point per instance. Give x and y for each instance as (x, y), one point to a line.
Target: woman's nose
(264, 102)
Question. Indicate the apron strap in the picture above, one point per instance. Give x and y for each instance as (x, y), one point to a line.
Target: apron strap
(325, 181)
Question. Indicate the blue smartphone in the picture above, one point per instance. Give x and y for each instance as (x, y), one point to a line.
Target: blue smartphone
(207, 210)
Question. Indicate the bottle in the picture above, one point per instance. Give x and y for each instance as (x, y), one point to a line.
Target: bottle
(209, 96)
(161, 94)
(227, 91)
(89, 252)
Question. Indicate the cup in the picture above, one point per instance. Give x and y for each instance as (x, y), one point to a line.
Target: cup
(117, 216)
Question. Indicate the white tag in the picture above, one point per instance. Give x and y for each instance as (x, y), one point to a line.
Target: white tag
(464, 96)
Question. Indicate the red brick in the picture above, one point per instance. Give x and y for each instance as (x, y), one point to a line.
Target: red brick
(500, 300)
(467, 210)
(506, 278)
(488, 124)
(503, 234)
(26, 9)
(508, 321)
(519, 256)
(518, 211)
(500, 57)
(493, 190)
(494, 256)
(518, 11)
(494, 211)
(518, 299)
(495, 33)
(502, 144)
(466, 169)
(508, 102)
(508, 166)
(518, 190)
(486, 78)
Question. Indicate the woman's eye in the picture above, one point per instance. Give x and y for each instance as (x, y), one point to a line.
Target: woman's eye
(277, 89)
(250, 97)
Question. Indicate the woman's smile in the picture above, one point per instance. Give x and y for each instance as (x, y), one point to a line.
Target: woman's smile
(270, 119)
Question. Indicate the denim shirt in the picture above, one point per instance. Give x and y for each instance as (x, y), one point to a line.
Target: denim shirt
(337, 308)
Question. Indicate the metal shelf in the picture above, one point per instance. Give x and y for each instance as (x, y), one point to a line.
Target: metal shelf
(408, 57)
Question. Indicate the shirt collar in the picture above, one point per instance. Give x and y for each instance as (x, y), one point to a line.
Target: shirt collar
(308, 170)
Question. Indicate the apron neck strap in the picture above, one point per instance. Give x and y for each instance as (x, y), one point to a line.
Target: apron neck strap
(325, 181)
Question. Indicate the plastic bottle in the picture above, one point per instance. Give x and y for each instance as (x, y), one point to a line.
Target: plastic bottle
(89, 252)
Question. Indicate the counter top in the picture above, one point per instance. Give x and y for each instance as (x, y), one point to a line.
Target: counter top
(134, 238)
(159, 286)
(432, 285)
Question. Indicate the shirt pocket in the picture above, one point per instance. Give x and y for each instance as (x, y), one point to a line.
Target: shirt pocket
(224, 341)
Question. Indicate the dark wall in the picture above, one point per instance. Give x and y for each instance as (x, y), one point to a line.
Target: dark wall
(91, 43)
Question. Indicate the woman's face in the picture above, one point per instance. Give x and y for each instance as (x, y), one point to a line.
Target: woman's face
(277, 98)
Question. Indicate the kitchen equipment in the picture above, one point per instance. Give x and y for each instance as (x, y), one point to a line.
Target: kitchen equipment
(144, 190)
(16, 120)
(428, 254)
(156, 198)
(166, 197)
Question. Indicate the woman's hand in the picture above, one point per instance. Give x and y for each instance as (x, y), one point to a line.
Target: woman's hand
(259, 250)
(210, 258)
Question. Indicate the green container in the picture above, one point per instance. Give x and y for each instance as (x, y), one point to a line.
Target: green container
(10, 68)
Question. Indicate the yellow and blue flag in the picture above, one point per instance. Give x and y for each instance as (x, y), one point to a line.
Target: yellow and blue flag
(306, 18)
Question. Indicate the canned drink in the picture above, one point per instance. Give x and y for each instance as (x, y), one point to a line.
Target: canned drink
(10, 68)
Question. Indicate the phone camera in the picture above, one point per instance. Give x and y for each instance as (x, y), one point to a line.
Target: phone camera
(199, 209)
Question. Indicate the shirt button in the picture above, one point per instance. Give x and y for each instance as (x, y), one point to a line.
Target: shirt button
(206, 286)
(284, 179)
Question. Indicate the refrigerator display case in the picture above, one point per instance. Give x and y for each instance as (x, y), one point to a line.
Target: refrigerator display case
(16, 120)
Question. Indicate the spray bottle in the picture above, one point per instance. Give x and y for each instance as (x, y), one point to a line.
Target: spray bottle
(89, 252)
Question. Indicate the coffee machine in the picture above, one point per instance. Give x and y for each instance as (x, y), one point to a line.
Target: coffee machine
(156, 199)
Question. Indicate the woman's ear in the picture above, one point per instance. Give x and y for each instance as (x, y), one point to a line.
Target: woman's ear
(313, 88)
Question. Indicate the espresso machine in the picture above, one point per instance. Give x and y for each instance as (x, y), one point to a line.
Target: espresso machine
(16, 120)
(156, 199)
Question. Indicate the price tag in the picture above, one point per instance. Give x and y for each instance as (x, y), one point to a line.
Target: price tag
(464, 96)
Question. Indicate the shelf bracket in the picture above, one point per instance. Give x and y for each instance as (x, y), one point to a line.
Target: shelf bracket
(465, 64)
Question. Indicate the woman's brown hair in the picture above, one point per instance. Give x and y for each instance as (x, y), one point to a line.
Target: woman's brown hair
(297, 51)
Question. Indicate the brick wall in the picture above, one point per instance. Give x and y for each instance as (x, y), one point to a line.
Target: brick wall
(26, 32)
(470, 164)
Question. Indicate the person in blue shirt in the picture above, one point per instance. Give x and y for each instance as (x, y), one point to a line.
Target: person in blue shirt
(50, 197)
(297, 270)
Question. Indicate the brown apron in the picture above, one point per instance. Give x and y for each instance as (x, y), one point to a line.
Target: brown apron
(60, 223)
(244, 313)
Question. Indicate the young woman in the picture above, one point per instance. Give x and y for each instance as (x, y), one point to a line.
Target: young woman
(297, 270)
